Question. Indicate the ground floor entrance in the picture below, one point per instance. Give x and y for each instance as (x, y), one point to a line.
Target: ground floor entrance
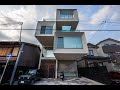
(69, 67)
(47, 68)
(53, 68)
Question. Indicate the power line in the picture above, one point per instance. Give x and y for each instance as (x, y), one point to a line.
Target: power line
(61, 30)
(96, 31)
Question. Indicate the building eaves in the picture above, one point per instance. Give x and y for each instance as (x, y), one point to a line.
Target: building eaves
(107, 40)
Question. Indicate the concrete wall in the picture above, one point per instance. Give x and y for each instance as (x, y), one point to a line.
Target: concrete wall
(81, 64)
(45, 23)
(83, 50)
(109, 66)
(100, 50)
(68, 67)
(75, 15)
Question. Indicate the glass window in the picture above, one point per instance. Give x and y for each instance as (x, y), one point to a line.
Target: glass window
(48, 52)
(65, 14)
(46, 29)
(60, 42)
(91, 53)
(69, 42)
(67, 28)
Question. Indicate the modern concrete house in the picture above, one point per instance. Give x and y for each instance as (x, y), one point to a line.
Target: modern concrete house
(62, 44)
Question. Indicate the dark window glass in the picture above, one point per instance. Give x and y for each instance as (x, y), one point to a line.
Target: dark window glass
(66, 14)
(43, 29)
(46, 29)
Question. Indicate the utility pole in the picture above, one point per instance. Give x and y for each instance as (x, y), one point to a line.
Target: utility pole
(21, 23)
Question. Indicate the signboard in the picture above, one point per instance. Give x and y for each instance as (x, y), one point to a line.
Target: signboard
(8, 56)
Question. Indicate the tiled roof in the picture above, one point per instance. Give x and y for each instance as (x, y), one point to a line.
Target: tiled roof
(107, 40)
(90, 45)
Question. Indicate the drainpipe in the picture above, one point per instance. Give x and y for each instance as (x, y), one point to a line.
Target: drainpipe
(40, 58)
(16, 63)
(56, 68)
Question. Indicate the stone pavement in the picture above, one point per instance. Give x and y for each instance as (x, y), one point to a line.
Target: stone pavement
(72, 81)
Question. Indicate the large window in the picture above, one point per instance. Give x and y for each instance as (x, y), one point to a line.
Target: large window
(69, 42)
(46, 29)
(66, 14)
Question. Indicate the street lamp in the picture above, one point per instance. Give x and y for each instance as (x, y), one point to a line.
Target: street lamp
(21, 23)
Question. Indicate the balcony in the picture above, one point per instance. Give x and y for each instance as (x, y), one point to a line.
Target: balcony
(48, 54)
(45, 32)
(66, 17)
(70, 45)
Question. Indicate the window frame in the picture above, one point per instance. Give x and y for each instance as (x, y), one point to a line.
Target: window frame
(90, 53)
(66, 14)
(71, 47)
(44, 30)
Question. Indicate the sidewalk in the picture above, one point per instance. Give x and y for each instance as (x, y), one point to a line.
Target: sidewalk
(72, 81)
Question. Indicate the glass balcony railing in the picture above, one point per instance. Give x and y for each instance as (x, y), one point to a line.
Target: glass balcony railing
(67, 30)
(48, 53)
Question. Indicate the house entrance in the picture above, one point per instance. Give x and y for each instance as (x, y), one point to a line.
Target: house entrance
(47, 69)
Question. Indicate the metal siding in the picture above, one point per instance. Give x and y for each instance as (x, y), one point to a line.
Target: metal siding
(30, 56)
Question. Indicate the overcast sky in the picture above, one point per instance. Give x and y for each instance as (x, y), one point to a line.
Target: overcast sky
(91, 17)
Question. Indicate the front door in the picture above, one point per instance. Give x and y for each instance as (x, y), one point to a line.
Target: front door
(47, 69)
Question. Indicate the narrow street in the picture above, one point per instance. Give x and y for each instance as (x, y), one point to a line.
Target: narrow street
(73, 81)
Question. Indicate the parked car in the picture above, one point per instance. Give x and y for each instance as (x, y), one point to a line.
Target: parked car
(29, 77)
(115, 77)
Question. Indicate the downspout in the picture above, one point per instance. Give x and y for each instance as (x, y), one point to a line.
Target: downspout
(16, 63)
(56, 72)
(40, 58)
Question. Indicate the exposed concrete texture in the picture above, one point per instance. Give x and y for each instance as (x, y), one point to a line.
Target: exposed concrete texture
(68, 67)
(70, 53)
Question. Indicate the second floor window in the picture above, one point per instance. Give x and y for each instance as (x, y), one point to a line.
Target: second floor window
(69, 42)
(66, 14)
(46, 29)
(91, 53)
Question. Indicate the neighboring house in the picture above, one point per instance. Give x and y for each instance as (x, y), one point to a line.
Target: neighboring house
(93, 59)
(24, 55)
(109, 48)
(105, 53)
(62, 44)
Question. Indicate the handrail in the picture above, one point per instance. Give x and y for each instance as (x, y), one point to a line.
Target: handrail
(61, 30)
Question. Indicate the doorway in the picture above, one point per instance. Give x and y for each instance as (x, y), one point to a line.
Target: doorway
(47, 68)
